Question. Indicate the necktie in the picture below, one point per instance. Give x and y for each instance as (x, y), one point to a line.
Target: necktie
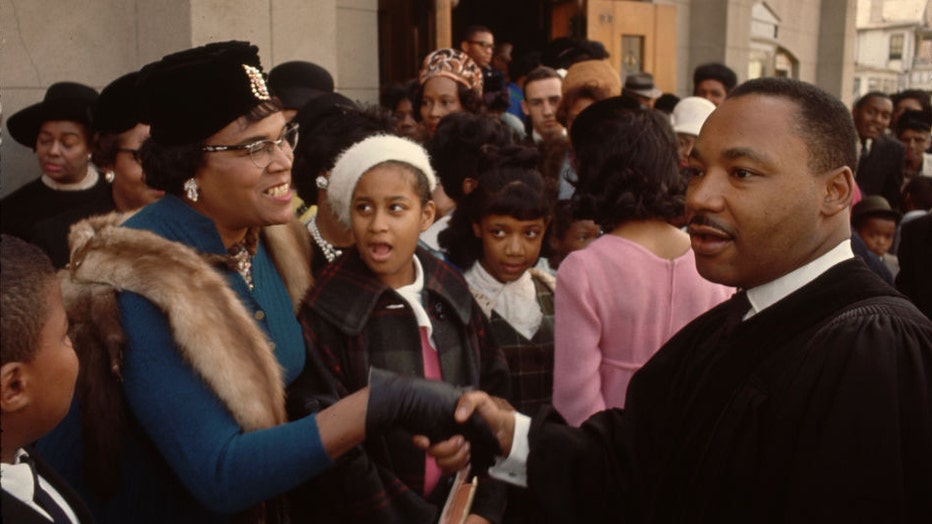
(865, 152)
(42, 497)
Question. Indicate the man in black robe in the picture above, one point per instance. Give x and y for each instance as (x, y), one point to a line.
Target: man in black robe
(805, 398)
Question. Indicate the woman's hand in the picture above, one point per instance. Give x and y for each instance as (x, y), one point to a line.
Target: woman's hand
(452, 454)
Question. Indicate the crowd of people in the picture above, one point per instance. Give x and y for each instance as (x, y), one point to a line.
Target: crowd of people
(602, 302)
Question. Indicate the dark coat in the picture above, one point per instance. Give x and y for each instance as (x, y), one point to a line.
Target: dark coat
(915, 255)
(34, 202)
(881, 172)
(16, 511)
(817, 409)
(352, 321)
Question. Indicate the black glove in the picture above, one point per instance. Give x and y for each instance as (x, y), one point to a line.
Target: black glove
(425, 407)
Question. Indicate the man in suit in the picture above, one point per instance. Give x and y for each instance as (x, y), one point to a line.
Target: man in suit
(805, 398)
(881, 159)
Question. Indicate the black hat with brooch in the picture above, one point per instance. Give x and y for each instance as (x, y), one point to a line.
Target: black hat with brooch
(188, 96)
(69, 101)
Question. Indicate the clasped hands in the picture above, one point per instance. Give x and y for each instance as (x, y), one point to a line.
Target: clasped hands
(454, 425)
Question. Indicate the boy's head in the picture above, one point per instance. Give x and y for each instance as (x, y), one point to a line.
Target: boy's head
(380, 188)
(875, 222)
(38, 366)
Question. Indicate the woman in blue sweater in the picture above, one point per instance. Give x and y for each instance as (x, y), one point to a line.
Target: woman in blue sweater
(180, 412)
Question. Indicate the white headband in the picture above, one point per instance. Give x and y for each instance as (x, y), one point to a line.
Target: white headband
(363, 156)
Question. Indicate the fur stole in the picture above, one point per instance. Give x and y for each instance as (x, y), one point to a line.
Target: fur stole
(212, 329)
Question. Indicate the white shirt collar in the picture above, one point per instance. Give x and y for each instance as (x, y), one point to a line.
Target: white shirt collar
(766, 295)
(412, 295)
(89, 180)
(515, 301)
(17, 479)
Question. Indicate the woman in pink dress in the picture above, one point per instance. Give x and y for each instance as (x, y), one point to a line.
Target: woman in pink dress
(621, 298)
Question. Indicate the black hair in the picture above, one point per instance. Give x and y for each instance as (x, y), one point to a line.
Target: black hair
(167, 167)
(594, 93)
(540, 73)
(666, 102)
(920, 120)
(913, 94)
(454, 148)
(522, 64)
(626, 163)
(472, 30)
(715, 71)
(393, 94)
(859, 103)
(421, 184)
(26, 275)
(563, 52)
(105, 148)
(328, 134)
(919, 191)
(509, 184)
(821, 120)
(471, 101)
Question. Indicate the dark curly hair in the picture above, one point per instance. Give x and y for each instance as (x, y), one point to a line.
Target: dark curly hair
(328, 134)
(167, 167)
(454, 148)
(471, 101)
(626, 162)
(509, 184)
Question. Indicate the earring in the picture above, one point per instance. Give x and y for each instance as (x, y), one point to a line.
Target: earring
(110, 176)
(190, 188)
(322, 182)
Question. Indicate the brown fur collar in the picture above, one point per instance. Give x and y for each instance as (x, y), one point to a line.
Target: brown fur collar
(221, 341)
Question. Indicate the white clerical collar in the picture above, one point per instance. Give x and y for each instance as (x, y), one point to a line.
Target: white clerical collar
(16, 478)
(412, 295)
(766, 295)
(515, 301)
(89, 180)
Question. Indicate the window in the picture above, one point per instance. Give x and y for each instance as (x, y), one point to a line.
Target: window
(896, 47)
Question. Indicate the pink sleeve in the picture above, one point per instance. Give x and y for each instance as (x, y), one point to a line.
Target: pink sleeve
(577, 382)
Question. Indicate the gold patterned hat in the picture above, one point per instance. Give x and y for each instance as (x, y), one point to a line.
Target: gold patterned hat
(453, 64)
(190, 95)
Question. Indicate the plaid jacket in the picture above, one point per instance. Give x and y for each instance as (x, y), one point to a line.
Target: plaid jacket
(352, 321)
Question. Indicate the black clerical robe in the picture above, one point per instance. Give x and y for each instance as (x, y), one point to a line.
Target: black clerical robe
(817, 409)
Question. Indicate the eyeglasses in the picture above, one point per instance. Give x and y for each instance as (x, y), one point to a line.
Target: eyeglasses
(261, 152)
(134, 152)
(484, 45)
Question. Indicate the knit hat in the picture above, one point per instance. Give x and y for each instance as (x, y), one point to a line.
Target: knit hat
(453, 64)
(363, 156)
(188, 96)
(596, 74)
(689, 115)
(116, 108)
(69, 101)
(297, 82)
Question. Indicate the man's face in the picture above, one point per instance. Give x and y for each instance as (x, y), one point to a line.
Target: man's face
(916, 143)
(873, 117)
(752, 203)
(540, 103)
(905, 104)
(479, 47)
(712, 90)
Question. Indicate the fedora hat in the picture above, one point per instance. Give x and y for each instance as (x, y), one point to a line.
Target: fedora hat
(642, 84)
(873, 206)
(63, 101)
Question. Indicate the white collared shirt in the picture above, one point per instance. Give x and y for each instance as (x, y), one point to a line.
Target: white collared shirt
(17, 480)
(412, 295)
(513, 469)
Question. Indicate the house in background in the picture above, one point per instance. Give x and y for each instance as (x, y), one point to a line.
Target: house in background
(894, 47)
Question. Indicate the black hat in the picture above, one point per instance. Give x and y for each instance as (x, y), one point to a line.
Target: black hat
(873, 206)
(116, 108)
(322, 106)
(297, 82)
(714, 71)
(190, 95)
(63, 101)
(642, 84)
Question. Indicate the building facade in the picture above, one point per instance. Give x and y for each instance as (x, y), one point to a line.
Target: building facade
(894, 46)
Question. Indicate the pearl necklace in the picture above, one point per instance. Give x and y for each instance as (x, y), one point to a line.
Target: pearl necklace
(330, 252)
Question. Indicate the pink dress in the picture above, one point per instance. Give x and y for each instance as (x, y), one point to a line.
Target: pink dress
(616, 304)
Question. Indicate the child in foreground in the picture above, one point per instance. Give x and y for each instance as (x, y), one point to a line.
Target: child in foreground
(38, 370)
(391, 305)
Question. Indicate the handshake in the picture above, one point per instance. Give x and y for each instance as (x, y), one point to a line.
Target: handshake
(428, 407)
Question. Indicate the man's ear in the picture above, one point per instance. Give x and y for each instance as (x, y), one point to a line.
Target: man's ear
(13, 387)
(469, 185)
(464, 46)
(524, 108)
(839, 190)
(428, 211)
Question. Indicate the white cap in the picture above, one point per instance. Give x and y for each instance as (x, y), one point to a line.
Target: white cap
(690, 113)
(363, 156)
